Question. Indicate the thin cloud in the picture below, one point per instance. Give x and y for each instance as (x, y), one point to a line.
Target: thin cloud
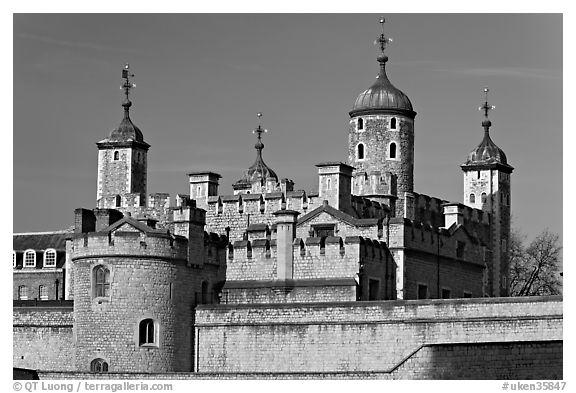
(519, 72)
(72, 44)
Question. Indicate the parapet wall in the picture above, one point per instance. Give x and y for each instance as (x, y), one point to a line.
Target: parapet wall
(155, 245)
(361, 336)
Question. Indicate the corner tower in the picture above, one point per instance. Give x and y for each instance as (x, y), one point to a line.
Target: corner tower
(381, 140)
(122, 159)
(487, 187)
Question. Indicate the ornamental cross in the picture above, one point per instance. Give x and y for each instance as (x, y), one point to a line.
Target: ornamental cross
(259, 130)
(382, 40)
(127, 86)
(485, 107)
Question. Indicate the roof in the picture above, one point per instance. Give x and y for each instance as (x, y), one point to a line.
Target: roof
(382, 96)
(358, 222)
(487, 153)
(39, 240)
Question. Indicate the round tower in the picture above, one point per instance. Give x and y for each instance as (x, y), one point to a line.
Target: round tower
(487, 187)
(134, 293)
(381, 140)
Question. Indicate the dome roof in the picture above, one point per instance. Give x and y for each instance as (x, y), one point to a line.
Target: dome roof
(259, 171)
(382, 95)
(487, 153)
(126, 130)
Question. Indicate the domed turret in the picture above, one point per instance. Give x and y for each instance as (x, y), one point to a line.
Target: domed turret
(259, 177)
(381, 96)
(126, 130)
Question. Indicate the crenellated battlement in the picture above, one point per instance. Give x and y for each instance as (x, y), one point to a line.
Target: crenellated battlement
(313, 257)
(134, 244)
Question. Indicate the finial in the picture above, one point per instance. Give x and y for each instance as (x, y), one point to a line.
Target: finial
(259, 130)
(127, 86)
(382, 41)
(486, 108)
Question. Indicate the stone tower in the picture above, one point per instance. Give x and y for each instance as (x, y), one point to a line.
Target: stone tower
(381, 140)
(487, 187)
(122, 160)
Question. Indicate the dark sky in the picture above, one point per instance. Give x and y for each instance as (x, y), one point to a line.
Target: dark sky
(201, 79)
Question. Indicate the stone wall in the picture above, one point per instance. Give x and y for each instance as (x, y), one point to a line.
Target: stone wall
(43, 338)
(362, 336)
(500, 360)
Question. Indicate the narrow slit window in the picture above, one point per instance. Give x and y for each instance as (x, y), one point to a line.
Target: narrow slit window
(116, 156)
(393, 150)
(360, 123)
(393, 123)
(361, 151)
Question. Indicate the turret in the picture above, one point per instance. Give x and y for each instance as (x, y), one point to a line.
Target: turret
(381, 139)
(487, 187)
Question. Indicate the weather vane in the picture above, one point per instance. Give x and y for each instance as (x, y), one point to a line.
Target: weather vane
(382, 40)
(485, 107)
(259, 130)
(127, 86)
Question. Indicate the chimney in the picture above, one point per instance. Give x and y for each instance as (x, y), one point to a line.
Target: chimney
(285, 234)
(335, 184)
(453, 214)
(202, 186)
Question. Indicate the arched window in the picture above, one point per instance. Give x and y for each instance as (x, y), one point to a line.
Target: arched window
(22, 292)
(116, 156)
(199, 191)
(393, 150)
(483, 197)
(43, 292)
(147, 332)
(30, 258)
(360, 123)
(360, 153)
(328, 184)
(50, 258)
(472, 198)
(99, 366)
(393, 123)
(102, 281)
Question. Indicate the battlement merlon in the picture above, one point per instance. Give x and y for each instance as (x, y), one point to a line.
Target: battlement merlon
(424, 208)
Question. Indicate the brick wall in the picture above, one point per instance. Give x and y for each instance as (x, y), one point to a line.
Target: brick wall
(363, 336)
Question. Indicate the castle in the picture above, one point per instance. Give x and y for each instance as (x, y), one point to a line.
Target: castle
(140, 285)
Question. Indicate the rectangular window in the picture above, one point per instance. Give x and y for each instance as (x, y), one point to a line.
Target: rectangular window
(323, 230)
(422, 291)
(467, 294)
(50, 258)
(30, 259)
(445, 293)
(22, 293)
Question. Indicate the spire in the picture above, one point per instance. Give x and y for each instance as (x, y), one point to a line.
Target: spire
(259, 145)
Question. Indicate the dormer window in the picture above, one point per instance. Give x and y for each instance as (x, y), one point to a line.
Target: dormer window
(360, 151)
(393, 123)
(30, 258)
(360, 123)
(50, 258)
